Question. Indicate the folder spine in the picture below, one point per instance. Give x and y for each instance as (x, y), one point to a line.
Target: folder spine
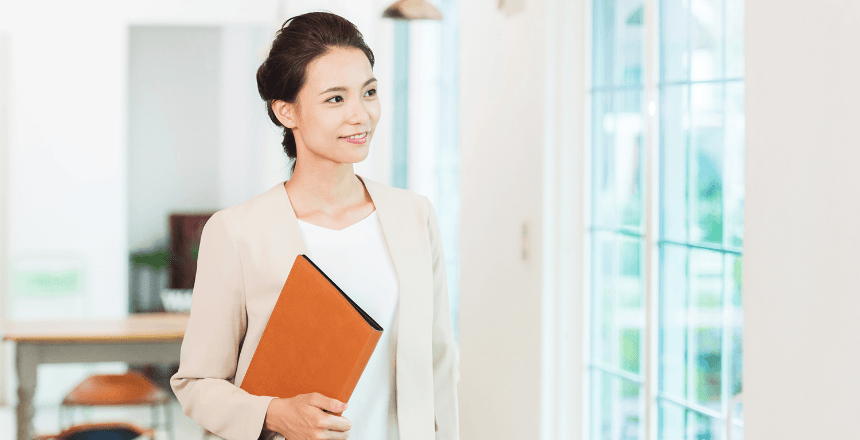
(356, 371)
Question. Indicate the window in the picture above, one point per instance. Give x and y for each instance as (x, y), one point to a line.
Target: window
(425, 132)
(666, 226)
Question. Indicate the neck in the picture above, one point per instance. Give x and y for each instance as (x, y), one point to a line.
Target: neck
(324, 187)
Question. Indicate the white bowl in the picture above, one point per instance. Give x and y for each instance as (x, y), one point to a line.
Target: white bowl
(176, 300)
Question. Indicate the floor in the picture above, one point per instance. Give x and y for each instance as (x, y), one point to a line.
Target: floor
(46, 421)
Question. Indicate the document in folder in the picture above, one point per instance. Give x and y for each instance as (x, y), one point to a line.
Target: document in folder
(316, 340)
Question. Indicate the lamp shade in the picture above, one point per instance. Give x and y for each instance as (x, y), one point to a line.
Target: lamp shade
(412, 10)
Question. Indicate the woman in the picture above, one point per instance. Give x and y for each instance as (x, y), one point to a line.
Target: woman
(380, 244)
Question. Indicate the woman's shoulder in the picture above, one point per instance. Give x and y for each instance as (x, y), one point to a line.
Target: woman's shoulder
(410, 204)
(394, 196)
(268, 208)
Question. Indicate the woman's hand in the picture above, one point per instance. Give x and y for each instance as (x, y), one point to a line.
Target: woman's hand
(303, 417)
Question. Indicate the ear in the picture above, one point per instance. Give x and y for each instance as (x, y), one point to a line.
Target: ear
(285, 112)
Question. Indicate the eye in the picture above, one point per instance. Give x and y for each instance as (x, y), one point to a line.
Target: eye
(371, 92)
(335, 97)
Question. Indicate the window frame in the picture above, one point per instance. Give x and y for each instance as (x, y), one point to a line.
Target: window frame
(651, 236)
(426, 93)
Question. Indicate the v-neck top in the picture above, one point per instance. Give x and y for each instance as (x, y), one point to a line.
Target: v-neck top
(356, 224)
(356, 258)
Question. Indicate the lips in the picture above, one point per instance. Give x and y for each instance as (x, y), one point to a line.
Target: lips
(359, 135)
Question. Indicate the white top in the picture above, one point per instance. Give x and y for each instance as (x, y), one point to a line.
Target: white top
(356, 258)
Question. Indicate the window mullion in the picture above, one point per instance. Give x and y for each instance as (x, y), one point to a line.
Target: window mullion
(651, 180)
(726, 355)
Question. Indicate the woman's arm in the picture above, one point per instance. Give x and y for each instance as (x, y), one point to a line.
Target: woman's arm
(212, 341)
(445, 359)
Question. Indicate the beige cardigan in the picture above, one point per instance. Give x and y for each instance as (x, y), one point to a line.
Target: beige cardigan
(245, 255)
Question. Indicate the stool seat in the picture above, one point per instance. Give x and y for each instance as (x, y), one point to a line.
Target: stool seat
(130, 388)
(93, 431)
(116, 389)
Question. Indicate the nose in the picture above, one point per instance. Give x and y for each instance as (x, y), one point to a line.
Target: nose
(358, 114)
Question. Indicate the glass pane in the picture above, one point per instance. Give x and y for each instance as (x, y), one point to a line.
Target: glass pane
(630, 139)
(618, 136)
(618, 316)
(631, 42)
(674, 40)
(674, 135)
(619, 43)
(603, 159)
(673, 321)
(603, 315)
(734, 164)
(631, 313)
(706, 163)
(706, 294)
(737, 430)
(706, 40)
(673, 422)
(679, 423)
(603, 39)
(702, 427)
(734, 38)
(616, 408)
(735, 324)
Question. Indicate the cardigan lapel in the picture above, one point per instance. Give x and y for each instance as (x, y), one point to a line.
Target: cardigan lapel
(294, 243)
(411, 360)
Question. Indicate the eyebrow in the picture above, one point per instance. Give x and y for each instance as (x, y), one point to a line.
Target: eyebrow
(343, 89)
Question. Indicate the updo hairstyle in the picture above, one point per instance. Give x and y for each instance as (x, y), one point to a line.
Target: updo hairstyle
(300, 41)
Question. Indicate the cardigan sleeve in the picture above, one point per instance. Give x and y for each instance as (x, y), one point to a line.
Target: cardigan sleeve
(445, 355)
(210, 350)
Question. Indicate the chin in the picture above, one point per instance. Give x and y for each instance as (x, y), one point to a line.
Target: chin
(360, 153)
(361, 157)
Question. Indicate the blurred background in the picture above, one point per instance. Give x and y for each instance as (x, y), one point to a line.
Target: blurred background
(648, 207)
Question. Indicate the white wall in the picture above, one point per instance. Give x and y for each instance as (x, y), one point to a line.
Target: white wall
(4, 228)
(516, 327)
(66, 129)
(802, 243)
(174, 127)
(199, 140)
(251, 158)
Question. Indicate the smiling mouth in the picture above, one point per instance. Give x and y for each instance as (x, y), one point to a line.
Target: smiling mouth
(356, 136)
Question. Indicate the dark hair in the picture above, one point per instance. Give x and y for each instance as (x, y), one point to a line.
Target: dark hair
(300, 41)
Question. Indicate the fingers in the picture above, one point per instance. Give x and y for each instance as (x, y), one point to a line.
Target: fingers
(335, 423)
(327, 403)
(338, 435)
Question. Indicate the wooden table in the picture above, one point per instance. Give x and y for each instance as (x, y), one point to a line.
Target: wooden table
(148, 338)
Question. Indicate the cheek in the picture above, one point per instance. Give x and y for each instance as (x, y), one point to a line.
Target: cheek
(375, 111)
(322, 124)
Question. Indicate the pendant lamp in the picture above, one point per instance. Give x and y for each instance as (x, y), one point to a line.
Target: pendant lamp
(412, 10)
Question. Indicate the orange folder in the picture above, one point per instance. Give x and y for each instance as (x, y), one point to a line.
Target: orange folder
(317, 339)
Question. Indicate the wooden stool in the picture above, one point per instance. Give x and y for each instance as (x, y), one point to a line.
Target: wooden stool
(118, 390)
(118, 431)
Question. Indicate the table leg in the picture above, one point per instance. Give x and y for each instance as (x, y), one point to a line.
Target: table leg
(26, 367)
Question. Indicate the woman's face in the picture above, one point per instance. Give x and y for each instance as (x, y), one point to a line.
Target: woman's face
(337, 101)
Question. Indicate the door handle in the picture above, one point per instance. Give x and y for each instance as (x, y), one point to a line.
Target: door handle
(434, 422)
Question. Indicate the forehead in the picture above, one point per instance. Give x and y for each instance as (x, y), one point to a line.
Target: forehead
(340, 67)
